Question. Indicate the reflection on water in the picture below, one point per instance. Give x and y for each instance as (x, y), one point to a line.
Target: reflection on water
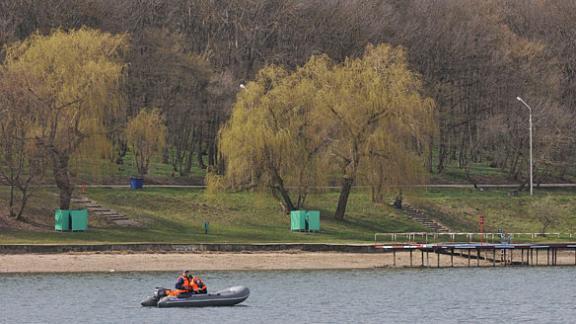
(540, 295)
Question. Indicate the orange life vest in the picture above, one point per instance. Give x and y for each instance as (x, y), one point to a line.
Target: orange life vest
(195, 285)
(198, 285)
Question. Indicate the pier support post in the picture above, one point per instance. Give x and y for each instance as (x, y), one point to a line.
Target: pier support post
(437, 258)
(555, 260)
(422, 254)
(468, 258)
(477, 257)
(493, 257)
(452, 258)
(410, 258)
(394, 256)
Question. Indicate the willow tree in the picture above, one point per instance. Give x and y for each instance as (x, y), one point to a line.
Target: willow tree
(20, 163)
(270, 139)
(80, 70)
(364, 116)
(372, 105)
(146, 134)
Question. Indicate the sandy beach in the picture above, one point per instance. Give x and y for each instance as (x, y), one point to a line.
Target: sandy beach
(123, 262)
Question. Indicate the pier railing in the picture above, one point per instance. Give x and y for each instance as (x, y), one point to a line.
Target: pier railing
(470, 237)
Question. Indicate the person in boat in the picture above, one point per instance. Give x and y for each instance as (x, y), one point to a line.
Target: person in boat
(188, 284)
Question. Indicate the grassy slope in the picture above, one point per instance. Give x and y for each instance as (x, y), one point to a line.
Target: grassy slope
(460, 209)
(94, 171)
(177, 215)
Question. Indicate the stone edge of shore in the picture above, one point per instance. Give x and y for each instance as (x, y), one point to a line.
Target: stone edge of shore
(184, 247)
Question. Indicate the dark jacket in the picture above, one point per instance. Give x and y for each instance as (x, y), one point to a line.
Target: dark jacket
(180, 283)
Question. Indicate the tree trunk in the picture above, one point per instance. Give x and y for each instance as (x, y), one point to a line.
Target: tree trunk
(200, 158)
(165, 155)
(24, 200)
(212, 154)
(62, 178)
(343, 199)
(441, 157)
(12, 214)
(285, 198)
(284, 194)
(430, 161)
(188, 165)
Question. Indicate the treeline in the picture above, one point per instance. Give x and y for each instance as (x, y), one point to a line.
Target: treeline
(188, 58)
(475, 57)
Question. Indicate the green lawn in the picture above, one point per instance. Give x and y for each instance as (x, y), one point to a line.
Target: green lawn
(178, 215)
(460, 209)
(95, 171)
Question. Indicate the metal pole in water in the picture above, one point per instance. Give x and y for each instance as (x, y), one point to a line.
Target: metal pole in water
(493, 257)
(555, 256)
(468, 258)
(410, 258)
(452, 258)
(394, 256)
(477, 257)
(437, 258)
(422, 254)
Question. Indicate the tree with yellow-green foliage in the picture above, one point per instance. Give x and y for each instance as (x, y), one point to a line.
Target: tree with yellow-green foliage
(364, 118)
(146, 134)
(376, 117)
(80, 72)
(271, 139)
(20, 162)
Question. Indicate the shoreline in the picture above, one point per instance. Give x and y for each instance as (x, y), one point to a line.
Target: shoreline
(234, 261)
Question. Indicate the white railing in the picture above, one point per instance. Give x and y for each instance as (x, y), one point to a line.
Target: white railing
(411, 236)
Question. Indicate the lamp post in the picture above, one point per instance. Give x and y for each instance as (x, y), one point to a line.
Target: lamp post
(531, 165)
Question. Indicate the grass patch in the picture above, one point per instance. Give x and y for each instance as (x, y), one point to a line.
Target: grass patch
(178, 215)
(460, 209)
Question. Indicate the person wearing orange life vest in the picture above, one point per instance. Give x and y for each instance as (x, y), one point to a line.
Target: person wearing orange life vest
(187, 284)
(198, 286)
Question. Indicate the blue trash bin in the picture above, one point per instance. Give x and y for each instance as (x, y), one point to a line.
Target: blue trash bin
(136, 183)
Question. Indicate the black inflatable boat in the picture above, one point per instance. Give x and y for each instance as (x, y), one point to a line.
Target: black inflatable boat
(227, 297)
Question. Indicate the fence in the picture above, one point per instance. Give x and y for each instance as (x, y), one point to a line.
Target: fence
(470, 237)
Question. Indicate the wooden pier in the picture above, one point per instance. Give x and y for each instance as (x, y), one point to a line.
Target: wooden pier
(484, 254)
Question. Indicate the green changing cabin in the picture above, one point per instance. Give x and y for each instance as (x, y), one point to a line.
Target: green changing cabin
(305, 221)
(75, 220)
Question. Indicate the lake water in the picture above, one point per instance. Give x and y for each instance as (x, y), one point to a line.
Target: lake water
(538, 295)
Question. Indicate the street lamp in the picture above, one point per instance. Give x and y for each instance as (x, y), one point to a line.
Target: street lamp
(531, 165)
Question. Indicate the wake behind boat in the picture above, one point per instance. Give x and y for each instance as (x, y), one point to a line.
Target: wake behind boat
(227, 297)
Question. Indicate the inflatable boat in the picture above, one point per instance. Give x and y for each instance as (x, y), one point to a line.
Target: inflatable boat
(227, 297)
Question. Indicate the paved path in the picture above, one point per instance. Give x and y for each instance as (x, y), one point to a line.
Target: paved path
(462, 186)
